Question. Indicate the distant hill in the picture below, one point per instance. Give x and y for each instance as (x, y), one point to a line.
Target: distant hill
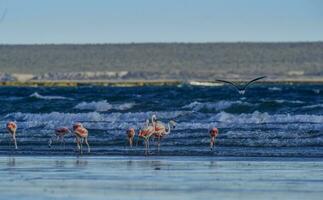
(163, 60)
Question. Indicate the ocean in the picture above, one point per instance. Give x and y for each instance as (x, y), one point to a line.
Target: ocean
(270, 120)
(270, 143)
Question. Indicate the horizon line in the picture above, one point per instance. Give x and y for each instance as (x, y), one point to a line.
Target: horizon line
(127, 43)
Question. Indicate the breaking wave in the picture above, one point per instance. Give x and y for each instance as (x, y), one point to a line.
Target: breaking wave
(253, 130)
(236, 120)
(313, 106)
(275, 89)
(218, 106)
(38, 96)
(282, 101)
(103, 106)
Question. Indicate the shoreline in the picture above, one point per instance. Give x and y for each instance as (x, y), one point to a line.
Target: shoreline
(137, 83)
(170, 158)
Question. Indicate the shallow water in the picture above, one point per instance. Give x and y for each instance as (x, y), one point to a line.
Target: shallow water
(159, 178)
(276, 120)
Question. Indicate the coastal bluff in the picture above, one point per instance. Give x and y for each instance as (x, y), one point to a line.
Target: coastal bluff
(161, 61)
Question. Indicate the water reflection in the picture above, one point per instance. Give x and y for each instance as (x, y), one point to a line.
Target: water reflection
(129, 164)
(213, 164)
(81, 163)
(11, 162)
(60, 163)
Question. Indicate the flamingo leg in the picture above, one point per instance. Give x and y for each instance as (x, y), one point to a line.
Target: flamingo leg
(87, 144)
(212, 143)
(63, 142)
(81, 142)
(78, 144)
(137, 141)
(10, 141)
(158, 144)
(130, 142)
(50, 141)
(146, 147)
(14, 140)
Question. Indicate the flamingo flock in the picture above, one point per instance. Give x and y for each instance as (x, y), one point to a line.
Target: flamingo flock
(152, 129)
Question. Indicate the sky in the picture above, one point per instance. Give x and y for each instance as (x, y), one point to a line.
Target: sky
(141, 21)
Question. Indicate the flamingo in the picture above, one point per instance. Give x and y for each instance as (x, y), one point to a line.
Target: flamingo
(12, 128)
(161, 130)
(213, 134)
(130, 136)
(81, 135)
(146, 133)
(59, 135)
(146, 125)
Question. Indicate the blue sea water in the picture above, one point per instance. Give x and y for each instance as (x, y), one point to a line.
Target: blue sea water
(270, 120)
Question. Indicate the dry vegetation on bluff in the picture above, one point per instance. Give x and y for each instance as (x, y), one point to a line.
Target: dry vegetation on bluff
(180, 61)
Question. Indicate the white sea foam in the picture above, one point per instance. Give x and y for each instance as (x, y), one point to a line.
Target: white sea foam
(313, 106)
(235, 129)
(258, 117)
(217, 106)
(91, 119)
(316, 91)
(124, 120)
(281, 101)
(38, 96)
(102, 106)
(275, 89)
(289, 101)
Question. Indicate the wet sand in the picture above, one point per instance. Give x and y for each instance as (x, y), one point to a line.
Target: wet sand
(29, 177)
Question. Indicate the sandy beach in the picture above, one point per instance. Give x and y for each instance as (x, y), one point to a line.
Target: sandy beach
(160, 178)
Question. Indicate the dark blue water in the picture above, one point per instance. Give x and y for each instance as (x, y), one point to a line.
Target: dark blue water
(280, 120)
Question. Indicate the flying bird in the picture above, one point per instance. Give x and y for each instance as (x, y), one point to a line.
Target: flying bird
(240, 89)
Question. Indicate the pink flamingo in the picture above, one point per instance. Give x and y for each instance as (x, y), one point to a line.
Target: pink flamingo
(81, 135)
(130, 136)
(213, 134)
(161, 130)
(59, 135)
(12, 128)
(146, 133)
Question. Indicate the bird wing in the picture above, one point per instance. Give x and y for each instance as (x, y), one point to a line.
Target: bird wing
(234, 85)
(252, 81)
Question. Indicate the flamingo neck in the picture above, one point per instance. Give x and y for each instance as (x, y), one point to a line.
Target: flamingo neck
(168, 129)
